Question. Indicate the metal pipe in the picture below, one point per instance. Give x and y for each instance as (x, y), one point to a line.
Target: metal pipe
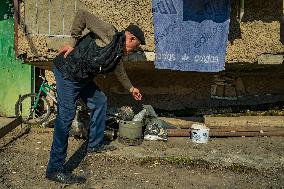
(16, 25)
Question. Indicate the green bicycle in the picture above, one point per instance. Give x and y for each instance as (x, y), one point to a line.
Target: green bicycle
(35, 108)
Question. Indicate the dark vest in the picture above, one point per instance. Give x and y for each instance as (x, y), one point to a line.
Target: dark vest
(88, 59)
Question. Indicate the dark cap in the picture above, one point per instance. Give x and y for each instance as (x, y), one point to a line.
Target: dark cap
(137, 32)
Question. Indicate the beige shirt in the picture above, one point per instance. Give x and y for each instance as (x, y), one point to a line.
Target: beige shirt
(105, 32)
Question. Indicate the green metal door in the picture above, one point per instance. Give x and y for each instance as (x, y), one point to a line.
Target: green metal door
(15, 77)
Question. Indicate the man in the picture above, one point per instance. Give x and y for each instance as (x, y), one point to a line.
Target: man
(74, 68)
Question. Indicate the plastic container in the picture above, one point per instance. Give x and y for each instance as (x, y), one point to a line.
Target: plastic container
(199, 133)
(130, 129)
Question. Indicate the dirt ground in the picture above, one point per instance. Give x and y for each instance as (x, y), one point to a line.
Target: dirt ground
(178, 163)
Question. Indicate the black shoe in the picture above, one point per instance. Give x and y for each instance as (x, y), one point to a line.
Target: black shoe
(65, 178)
(101, 148)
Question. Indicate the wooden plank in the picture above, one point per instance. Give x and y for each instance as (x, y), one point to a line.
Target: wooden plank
(246, 134)
(224, 133)
(246, 121)
(232, 122)
(10, 126)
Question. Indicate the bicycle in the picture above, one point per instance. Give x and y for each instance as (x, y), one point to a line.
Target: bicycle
(35, 108)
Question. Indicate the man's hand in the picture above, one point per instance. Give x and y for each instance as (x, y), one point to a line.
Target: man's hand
(66, 49)
(136, 93)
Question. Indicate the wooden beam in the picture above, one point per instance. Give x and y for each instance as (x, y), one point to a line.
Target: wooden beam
(10, 126)
(228, 133)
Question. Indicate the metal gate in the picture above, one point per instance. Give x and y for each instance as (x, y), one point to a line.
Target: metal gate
(16, 78)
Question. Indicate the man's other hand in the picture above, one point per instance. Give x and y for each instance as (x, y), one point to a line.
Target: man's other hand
(136, 94)
(66, 49)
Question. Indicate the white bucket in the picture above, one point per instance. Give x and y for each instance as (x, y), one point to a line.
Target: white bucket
(199, 133)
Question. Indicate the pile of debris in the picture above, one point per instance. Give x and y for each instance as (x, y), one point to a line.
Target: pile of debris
(152, 127)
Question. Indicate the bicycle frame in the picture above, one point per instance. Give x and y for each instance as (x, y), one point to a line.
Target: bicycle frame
(45, 89)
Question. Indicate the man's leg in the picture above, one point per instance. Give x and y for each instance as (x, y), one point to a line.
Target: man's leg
(67, 94)
(96, 100)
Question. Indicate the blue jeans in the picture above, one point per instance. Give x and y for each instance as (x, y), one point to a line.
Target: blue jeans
(68, 93)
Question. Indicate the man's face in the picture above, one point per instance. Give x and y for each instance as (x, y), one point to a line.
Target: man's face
(131, 42)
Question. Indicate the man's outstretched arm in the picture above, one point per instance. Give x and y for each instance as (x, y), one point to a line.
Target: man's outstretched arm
(125, 81)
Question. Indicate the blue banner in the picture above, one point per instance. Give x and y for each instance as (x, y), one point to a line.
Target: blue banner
(191, 35)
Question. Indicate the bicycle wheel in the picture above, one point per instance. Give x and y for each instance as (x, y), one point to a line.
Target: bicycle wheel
(30, 114)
